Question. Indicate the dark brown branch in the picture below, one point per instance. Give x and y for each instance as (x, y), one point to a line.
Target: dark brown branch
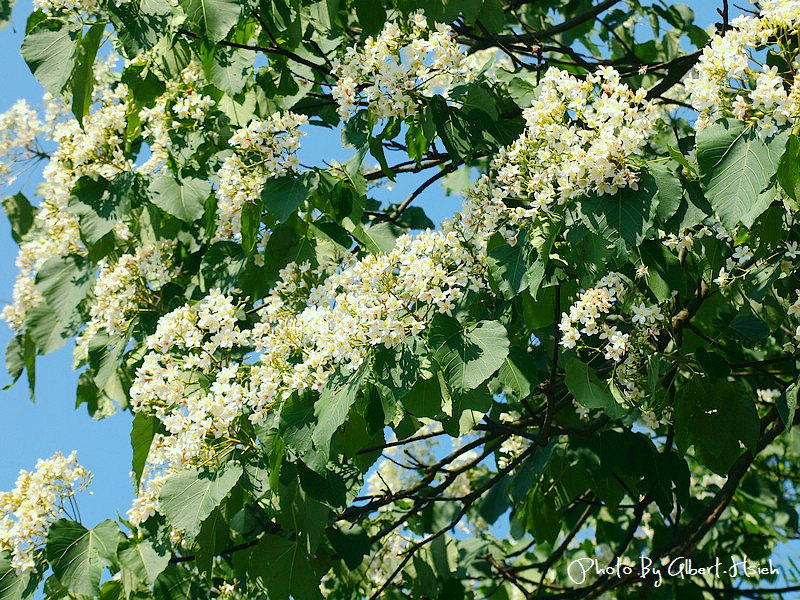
(551, 386)
(676, 70)
(468, 501)
(266, 50)
(409, 166)
(226, 552)
(403, 442)
(575, 21)
(415, 194)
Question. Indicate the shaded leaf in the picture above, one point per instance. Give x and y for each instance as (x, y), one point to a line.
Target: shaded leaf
(183, 199)
(78, 555)
(736, 167)
(467, 355)
(49, 50)
(189, 496)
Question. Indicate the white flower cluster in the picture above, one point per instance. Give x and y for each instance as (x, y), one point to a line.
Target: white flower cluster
(581, 137)
(308, 331)
(685, 241)
(20, 127)
(591, 316)
(191, 383)
(730, 79)
(60, 7)
(36, 501)
(485, 63)
(794, 311)
(262, 150)
(588, 312)
(180, 107)
(513, 445)
(393, 69)
(319, 321)
(123, 286)
(96, 149)
(735, 265)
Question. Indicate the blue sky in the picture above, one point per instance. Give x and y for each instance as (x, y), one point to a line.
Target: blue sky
(33, 430)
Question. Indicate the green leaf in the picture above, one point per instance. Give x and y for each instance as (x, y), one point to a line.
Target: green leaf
(356, 132)
(379, 238)
(100, 204)
(426, 398)
(284, 569)
(222, 265)
(49, 50)
(229, 68)
(670, 191)
(98, 404)
(13, 586)
(20, 214)
(213, 538)
(585, 386)
(83, 73)
(665, 272)
(703, 406)
(297, 424)
(468, 355)
(64, 283)
(452, 129)
(175, 583)
(736, 168)
(21, 354)
(371, 15)
(492, 15)
(183, 199)
(323, 13)
(749, 328)
(283, 195)
(213, 18)
(508, 265)
(48, 330)
(189, 496)
(142, 560)
(479, 98)
(470, 9)
(142, 432)
(333, 404)
(495, 503)
(627, 214)
(140, 25)
(544, 236)
(789, 169)
(398, 368)
(351, 543)
(6, 6)
(787, 405)
(78, 555)
(518, 373)
(376, 149)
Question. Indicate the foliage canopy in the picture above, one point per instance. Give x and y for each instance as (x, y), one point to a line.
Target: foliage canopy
(597, 356)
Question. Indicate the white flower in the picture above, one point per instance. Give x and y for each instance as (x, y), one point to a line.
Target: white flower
(742, 254)
(581, 137)
(37, 500)
(404, 62)
(122, 287)
(94, 149)
(262, 150)
(728, 80)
